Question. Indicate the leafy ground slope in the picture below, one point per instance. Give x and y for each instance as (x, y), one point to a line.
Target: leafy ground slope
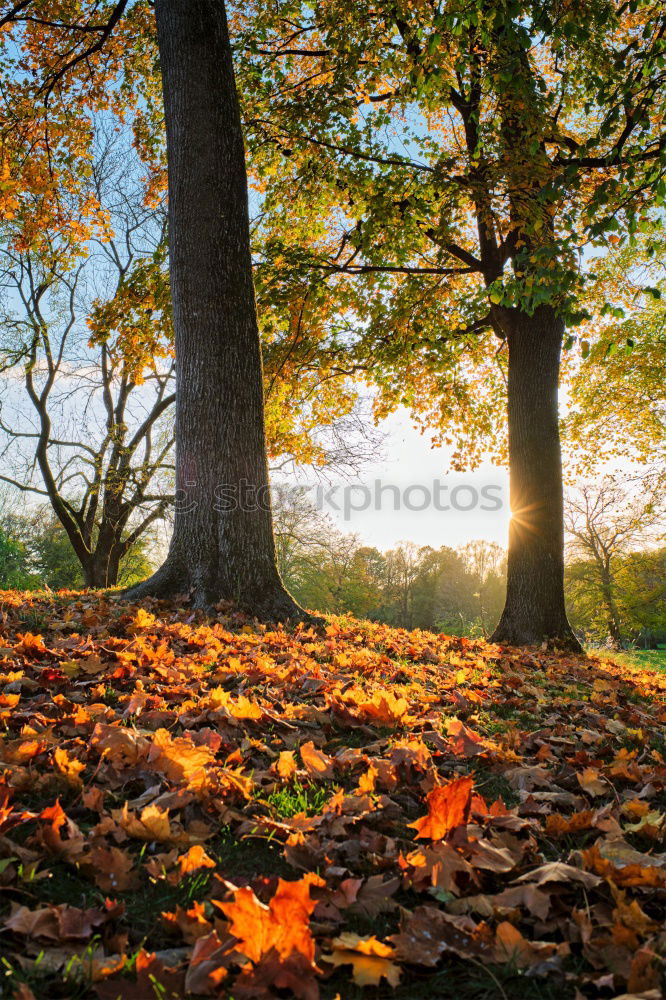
(205, 809)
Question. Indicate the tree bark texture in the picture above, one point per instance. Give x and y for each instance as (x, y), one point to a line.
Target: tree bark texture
(535, 610)
(222, 546)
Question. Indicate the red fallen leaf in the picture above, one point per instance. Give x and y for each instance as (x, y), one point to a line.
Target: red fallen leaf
(6, 808)
(645, 972)
(591, 783)
(557, 871)
(626, 872)
(528, 896)
(58, 923)
(49, 675)
(93, 799)
(383, 709)
(448, 808)
(286, 764)
(558, 826)
(437, 866)
(55, 822)
(511, 946)
(294, 975)
(111, 868)
(191, 923)
(29, 644)
(178, 759)
(194, 859)
(283, 925)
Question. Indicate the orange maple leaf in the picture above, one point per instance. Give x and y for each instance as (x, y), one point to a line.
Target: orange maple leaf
(194, 859)
(283, 925)
(448, 808)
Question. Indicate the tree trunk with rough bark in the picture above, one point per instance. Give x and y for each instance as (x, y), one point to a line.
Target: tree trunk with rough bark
(535, 611)
(102, 566)
(222, 546)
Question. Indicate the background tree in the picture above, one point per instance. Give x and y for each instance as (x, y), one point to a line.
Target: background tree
(88, 344)
(14, 562)
(617, 391)
(486, 563)
(641, 579)
(463, 155)
(604, 522)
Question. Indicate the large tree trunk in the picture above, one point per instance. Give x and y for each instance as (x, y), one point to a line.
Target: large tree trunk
(222, 546)
(534, 611)
(101, 569)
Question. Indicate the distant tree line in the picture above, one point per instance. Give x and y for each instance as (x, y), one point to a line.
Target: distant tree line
(461, 591)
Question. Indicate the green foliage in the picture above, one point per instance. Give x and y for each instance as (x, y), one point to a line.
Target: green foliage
(640, 595)
(431, 171)
(54, 559)
(14, 562)
(35, 552)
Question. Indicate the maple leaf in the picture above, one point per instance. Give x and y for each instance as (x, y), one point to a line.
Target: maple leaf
(511, 946)
(111, 868)
(153, 978)
(54, 821)
(286, 764)
(208, 965)
(179, 759)
(557, 871)
(428, 932)
(590, 782)
(384, 708)
(192, 923)
(448, 808)
(59, 923)
(69, 767)
(283, 925)
(142, 620)
(371, 960)
(152, 824)
(437, 866)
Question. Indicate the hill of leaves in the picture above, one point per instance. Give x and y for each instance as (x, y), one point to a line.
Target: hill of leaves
(198, 808)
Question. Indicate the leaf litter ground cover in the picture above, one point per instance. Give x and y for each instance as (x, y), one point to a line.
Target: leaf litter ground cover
(197, 808)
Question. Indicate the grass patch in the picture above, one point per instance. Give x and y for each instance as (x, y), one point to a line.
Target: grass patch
(298, 797)
(651, 659)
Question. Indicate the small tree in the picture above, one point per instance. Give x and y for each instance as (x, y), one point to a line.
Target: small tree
(604, 522)
(87, 343)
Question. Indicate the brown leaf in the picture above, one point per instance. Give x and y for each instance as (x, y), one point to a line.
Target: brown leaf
(557, 871)
(316, 763)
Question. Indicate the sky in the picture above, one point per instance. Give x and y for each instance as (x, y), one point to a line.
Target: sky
(404, 474)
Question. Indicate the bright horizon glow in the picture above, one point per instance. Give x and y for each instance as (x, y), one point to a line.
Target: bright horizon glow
(408, 459)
